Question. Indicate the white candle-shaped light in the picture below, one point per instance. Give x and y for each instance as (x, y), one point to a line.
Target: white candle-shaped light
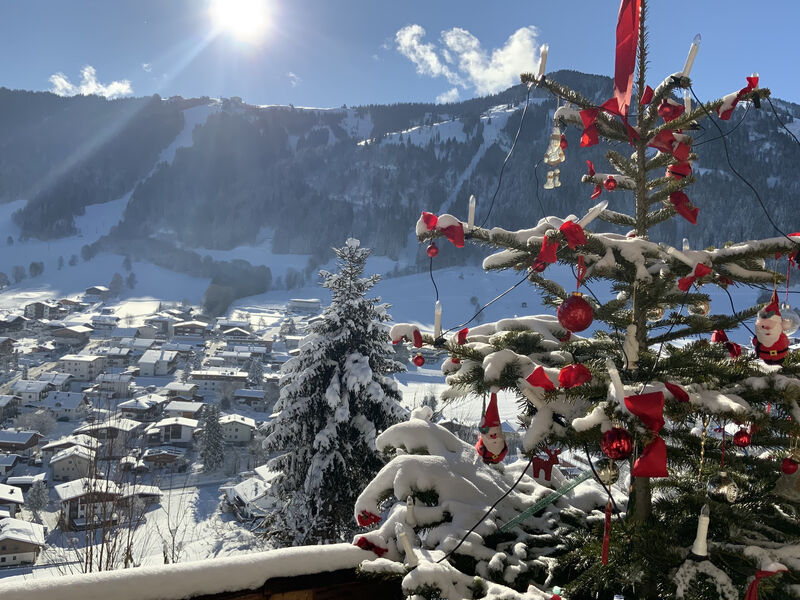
(542, 61)
(411, 558)
(686, 246)
(692, 55)
(471, 218)
(677, 254)
(437, 321)
(593, 213)
(700, 547)
(411, 517)
(687, 101)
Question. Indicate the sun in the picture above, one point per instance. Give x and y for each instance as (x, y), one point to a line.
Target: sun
(246, 20)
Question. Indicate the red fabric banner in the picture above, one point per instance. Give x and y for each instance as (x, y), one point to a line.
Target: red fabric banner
(700, 270)
(650, 409)
(625, 60)
(752, 589)
(540, 379)
(574, 234)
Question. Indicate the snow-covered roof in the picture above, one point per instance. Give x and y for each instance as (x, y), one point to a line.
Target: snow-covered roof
(21, 531)
(183, 421)
(80, 487)
(139, 489)
(55, 378)
(191, 324)
(27, 479)
(5, 400)
(249, 394)
(114, 377)
(80, 357)
(72, 440)
(72, 452)
(141, 403)
(162, 450)
(154, 356)
(177, 386)
(180, 406)
(17, 437)
(241, 420)
(223, 372)
(10, 493)
(8, 460)
(250, 490)
(71, 400)
(30, 387)
(113, 423)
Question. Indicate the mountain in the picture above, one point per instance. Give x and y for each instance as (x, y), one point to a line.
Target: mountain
(204, 175)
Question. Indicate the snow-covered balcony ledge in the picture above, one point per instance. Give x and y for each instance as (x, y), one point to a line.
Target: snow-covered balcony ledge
(312, 571)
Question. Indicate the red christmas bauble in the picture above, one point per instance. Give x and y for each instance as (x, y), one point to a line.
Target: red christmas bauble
(432, 250)
(563, 143)
(575, 313)
(455, 360)
(418, 359)
(789, 466)
(617, 443)
(610, 183)
(742, 438)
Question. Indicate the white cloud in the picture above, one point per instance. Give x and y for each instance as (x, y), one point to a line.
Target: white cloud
(147, 67)
(62, 86)
(451, 95)
(461, 59)
(294, 80)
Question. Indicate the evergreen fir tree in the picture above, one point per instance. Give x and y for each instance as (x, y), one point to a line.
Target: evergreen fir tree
(255, 373)
(37, 498)
(213, 449)
(654, 355)
(336, 396)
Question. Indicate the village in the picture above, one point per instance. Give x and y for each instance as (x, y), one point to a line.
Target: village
(102, 412)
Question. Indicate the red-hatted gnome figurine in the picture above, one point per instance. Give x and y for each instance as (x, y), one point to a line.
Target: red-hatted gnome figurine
(770, 342)
(491, 445)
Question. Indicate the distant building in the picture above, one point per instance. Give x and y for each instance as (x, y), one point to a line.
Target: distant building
(180, 390)
(83, 367)
(162, 324)
(96, 293)
(9, 406)
(180, 408)
(11, 500)
(72, 463)
(75, 335)
(87, 503)
(30, 391)
(176, 431)
(116, 433)
(163, 456)
(44, 310)
(310, 306)
(115, 384)
(20, 542)
(237, 429)
(7, 346)
(196, 329)
(7, 464)
(144, 408)
(50, 449)
(23, 443)
(156, 363)
(215, 379)
(68, 406)
(58, 381)
(118, 357)
(253, 399)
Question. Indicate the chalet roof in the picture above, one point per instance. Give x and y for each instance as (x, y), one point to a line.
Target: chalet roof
(177, 386)
(183, 421)
(240, 419)
(139, 489)
(136, 343)
(21, 531)
(219, 372)
(184, 406)
(71, 440)
(118, 352)
(250, 490)
(8, 460)
(73, 452)
(74, 330)
(6, 399)
(119, 423)
(18, 480)
(250, 349)
(28, 386)
(80, 357)
(183, 324)
(80, 487)
(153, 356)
(237, 331)
(114, 377)
(258, 394)
(10, 493)
(8, 436)
(141, 403)
(70, 400)
(163, 450)
(55, 378)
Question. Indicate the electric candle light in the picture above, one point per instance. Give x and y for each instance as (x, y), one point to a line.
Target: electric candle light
(616, 380)
(700, 548)
(471, 219)
(437, 320)
(411, 558)
(692, 55)
(542, 61)
(687, 101)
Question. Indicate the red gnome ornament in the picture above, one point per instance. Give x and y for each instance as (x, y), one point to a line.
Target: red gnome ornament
(491, 445)
(770, 342)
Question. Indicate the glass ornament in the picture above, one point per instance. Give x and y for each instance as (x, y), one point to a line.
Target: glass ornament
(607, 471)
(554, 155)
(790, 318)
(722, 488)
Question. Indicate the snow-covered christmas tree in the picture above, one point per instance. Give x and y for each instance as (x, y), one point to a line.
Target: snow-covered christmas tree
(213, 444)
(704, 432)
(336, 396)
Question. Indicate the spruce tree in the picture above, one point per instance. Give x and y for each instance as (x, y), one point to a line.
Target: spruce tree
(661, 349)
(336, 396)
(213, 449)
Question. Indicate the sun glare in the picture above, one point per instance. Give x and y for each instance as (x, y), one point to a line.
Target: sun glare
(244, 19)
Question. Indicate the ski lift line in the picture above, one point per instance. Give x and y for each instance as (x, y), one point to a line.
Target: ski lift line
(508, 156)
(789, 131)
(739, 175)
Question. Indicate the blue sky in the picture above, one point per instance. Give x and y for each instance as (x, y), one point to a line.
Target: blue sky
(329, 53)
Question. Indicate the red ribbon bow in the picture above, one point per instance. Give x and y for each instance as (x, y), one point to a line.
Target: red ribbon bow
(548, 252)
(650, 410)
(461, 336)
(669, 110)
(677, 391)
(684, 207)
(568, 377)
(574, 234)
(700, 270)
(647, 97)
(598, 189)
(365, 544)
(720, 337)
(454, 233)
(725, 110)
(752, 589)
(366, 518)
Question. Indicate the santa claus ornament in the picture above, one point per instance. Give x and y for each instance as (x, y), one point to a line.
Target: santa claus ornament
(491, 445)
(771, 343)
